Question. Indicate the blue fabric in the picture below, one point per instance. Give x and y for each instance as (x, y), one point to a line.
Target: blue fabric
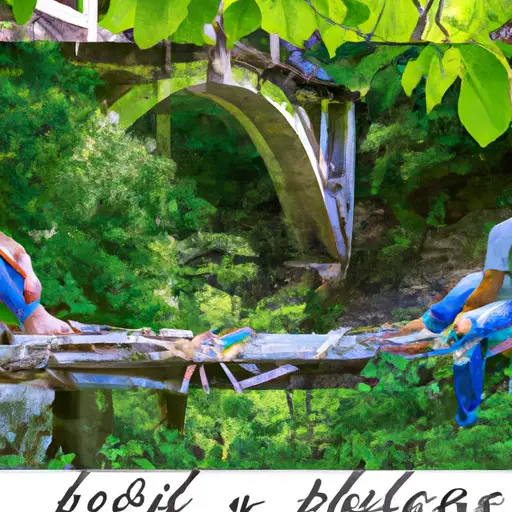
(434, 325)
(443, 314)
(11, 292)
(469, 386)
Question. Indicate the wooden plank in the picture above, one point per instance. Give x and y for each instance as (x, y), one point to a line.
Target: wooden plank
(176, 333)
(268, 376)
(231, 377)
(101, 381)
(63, 378)
(186, 379)
(204, 379)
(251, 368)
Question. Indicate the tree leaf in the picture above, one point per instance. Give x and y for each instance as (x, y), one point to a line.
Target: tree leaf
(357, 13)
(484, 102)
(22, 10)
(120, 16)
(441, 76)
(417, 69)
(359, 77)
(12, 461)
(399, 17)
(241, 18)
(332, 36)
(200, 13)
(384, 90)
(365, 388)
(157, 20)
(143, 463)
(293, 20)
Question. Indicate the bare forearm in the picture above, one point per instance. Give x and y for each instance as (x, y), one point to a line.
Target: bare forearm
(486, 292)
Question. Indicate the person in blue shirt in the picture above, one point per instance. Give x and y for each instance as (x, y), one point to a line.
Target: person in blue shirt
(474, 291)
(479, 312)
(20, 293)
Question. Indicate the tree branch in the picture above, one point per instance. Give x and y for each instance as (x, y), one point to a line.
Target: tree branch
(439, 15)
(336, 24)
(418, 6)
(370, 35)
(422, 22)
(504, 33)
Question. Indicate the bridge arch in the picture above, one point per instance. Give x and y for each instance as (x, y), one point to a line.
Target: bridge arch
(278, 132)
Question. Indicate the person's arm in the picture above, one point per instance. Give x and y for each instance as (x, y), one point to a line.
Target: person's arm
(486, 292)
(496, 268)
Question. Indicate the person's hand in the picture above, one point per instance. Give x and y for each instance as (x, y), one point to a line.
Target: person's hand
(32, 289)
(461, 325)
(41, 322)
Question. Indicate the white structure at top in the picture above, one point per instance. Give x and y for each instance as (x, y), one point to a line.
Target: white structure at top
(88, 19)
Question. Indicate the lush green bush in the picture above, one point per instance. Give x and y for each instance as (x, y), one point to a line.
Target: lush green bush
(405, 422)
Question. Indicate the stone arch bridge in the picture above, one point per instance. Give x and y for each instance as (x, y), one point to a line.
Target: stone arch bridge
(303, 127)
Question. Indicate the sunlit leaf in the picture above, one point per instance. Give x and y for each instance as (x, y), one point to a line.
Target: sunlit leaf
(241, 18)
(22, 10)
(120, 16)
(143, 463)
(390, 20)
(441, 75)
(151, 22)
(332, 35)
(293, 20)
(484, 102)
(357, 13)
(200, 13)
(417, 69)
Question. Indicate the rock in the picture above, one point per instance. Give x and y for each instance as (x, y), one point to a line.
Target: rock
(25, 422)
(372, 220)
(451, 252)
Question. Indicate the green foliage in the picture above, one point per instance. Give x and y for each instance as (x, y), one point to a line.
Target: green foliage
(11, 461)
(441, 75)
(61, 461)
(484, 106)
(405, 421)
(358, 71)
(241, 18)
(103, 235)
(437, 215)
(7, 316)
(406, 314)
(22, 9)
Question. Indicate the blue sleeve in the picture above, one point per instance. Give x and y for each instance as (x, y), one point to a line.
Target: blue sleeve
(11, 292)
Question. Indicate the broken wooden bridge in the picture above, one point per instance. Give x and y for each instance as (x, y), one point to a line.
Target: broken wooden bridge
(97, 357)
